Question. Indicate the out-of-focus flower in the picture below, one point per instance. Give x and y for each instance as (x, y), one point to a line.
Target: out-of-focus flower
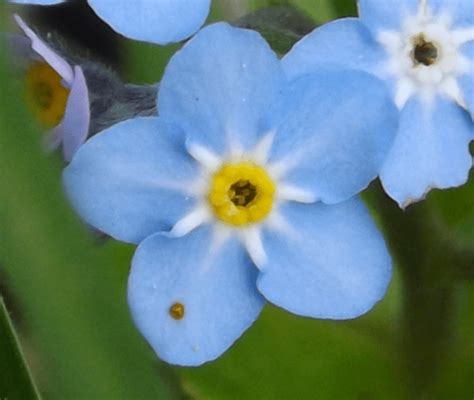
(242, 187)
(155, 21)
(424, 50)
(55, 90)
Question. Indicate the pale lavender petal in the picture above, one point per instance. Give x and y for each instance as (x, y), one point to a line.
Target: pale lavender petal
(75, 124)
(59, 64)
(38, 2)
(54, 139)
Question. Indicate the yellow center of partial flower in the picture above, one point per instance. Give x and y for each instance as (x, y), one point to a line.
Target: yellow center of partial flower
(241, 193)
(45, 94)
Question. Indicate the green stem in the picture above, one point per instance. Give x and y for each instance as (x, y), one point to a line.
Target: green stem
(16, 381)
(429, 265)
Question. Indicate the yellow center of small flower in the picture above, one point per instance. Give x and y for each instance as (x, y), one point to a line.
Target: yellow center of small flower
(45, 94)
(241, 193)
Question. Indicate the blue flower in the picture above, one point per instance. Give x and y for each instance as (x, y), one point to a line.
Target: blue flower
(424, 50)
(156, 21)
(56, 91)
(242, 189)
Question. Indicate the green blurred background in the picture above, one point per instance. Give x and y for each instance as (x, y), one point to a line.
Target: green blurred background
(65, 289)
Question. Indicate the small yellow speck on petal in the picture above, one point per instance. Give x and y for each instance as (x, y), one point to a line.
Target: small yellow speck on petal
(176, 311)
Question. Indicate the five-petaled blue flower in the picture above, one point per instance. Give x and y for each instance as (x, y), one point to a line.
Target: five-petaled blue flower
(156, 21)
(242, 189)
(424, 50)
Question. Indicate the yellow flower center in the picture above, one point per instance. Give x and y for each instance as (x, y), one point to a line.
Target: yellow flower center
(45, 94)
(241, 193)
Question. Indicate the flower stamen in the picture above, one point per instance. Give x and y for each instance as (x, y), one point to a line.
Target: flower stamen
(424, 51)
(241, 193)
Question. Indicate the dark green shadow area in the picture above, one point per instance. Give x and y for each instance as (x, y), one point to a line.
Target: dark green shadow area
(71, 292)
(15, 379)
(283, 356)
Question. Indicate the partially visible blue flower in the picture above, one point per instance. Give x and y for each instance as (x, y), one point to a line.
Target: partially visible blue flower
(424, 50)
(155, 21)
(242, 189)
(57, 90)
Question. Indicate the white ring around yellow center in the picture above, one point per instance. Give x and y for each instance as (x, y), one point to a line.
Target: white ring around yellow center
(241, 193)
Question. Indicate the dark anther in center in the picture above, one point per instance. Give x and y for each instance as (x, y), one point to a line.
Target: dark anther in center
(424, 52)
(242, 193)
(43, 95)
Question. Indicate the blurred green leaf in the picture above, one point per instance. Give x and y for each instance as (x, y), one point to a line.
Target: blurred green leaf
(456, 379)
(288, 357)
(345, 8)
(326, 10)
(320, 10)
(15, 379)
(436, 316)
(146, 62)
(69, 290)
(456, 208)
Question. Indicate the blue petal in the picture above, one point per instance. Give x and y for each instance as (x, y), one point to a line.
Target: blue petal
(220, 86)
(331, 263)
(466, 81)
(129, 181)
(386, 14)
(345, 42)
(337, 132)
(431, 150)
(38, 2)
(461, 12)
(217, 290)
(155, 21)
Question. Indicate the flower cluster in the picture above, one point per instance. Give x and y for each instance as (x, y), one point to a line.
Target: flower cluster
(245, 188)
